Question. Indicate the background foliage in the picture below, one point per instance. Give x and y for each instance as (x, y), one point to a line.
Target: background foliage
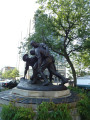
(64, 26)
(11, 74)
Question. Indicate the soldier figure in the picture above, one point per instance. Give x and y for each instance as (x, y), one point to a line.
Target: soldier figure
(45, 60)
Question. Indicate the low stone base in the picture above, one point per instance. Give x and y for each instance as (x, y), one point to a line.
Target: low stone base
(25, 101)
(17, 100)
(26, 94)
(25, 88)
(40, 94)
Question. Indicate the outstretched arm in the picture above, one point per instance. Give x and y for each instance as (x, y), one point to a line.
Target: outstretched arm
(26, 69)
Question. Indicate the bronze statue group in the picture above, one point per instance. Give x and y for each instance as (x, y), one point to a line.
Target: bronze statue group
(40, 60)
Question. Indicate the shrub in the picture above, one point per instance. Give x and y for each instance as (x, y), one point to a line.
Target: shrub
(83, 105)
(84, 108)
(50, 111)
(24, 114)
(77, 90)
(10, 112)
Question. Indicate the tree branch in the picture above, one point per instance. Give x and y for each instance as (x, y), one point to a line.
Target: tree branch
(68, 42)
(74, 50)
(54, 49)
(57, 51)
(70, 39)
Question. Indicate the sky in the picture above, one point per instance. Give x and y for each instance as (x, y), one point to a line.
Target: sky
(15, 16)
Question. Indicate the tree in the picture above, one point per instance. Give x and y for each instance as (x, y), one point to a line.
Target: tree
(11, 74)
(83, 58)
(63, 25)
(6, 74)
(0, 74)
(85, 54)
(14, 73)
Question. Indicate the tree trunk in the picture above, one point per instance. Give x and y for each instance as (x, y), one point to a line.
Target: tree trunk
(72, 68)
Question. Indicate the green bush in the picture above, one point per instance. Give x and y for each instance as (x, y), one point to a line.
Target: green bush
(50, 111)
(24, 114)
(84, 108)
(77, 90)
(45, 111)
(83, 105)
(10, 112)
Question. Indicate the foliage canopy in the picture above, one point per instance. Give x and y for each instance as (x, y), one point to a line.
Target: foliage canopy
(63, 25)
(11, 74)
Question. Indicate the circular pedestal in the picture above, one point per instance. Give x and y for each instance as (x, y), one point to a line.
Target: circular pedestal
(40, 94)
(26, 94)
(25, 88)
